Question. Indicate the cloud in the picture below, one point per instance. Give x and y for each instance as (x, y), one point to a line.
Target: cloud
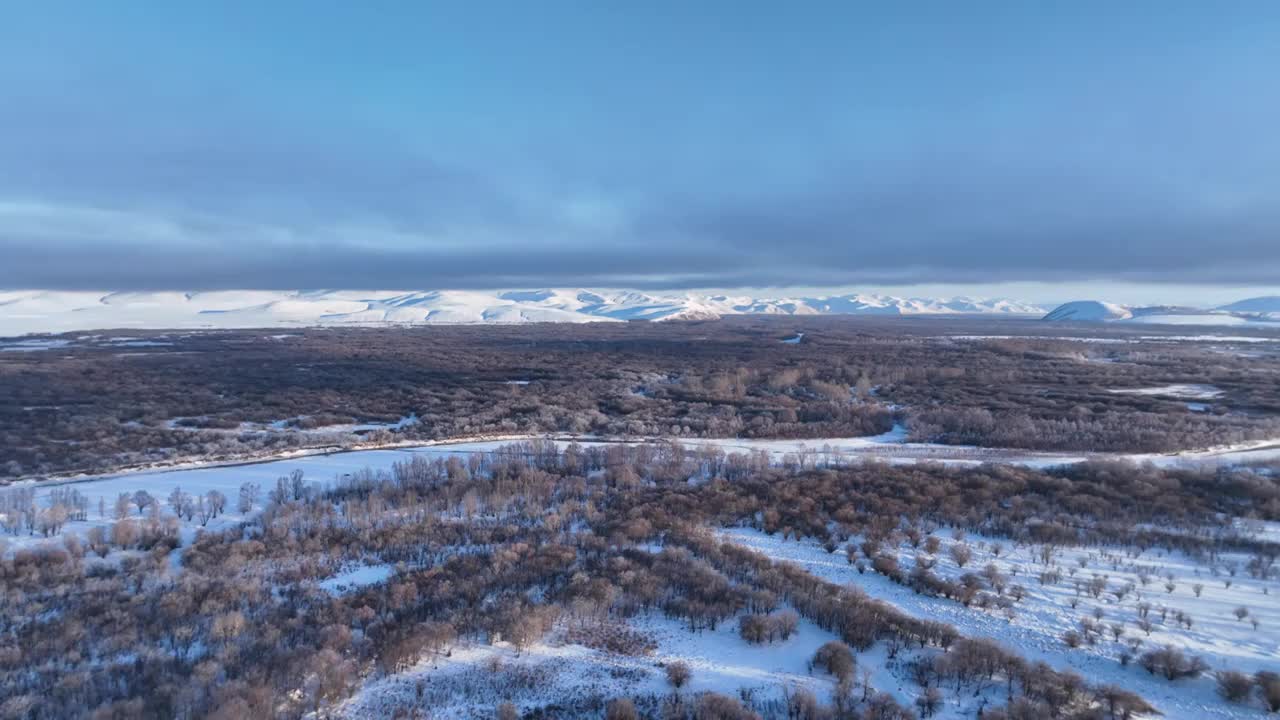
(234, 199)
(211, 149)
(842, 232)
(994, 228)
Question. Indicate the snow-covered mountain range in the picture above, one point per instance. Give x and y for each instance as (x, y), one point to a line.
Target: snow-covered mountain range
(1253, 310)
(37, 311)
(32, 311)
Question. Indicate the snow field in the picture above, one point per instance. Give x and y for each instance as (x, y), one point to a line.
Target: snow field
(40, 311)
(1039, 620)
(477, 677)
(1190, 391)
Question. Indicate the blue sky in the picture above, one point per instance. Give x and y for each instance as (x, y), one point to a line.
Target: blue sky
(1065, 148)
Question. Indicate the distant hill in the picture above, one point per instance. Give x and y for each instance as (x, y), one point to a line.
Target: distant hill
(1089, 310)
(1266, 305)
(1259, 310)
(58, 311)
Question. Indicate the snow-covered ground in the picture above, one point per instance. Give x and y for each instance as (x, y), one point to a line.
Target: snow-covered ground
(476, 677)
(34, 345)
(292, 425)
(1190, 391)
(1259, 312)
(1206, 319)
(1039, 620)
(891, 447)
(40, 311)
(724, 663)
(319, 466)
(1088, 311)
(1212, 338)
(719, 659)
(357, 576)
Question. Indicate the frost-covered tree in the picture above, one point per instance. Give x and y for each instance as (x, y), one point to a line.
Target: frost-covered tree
(143, 500)
(248, 497)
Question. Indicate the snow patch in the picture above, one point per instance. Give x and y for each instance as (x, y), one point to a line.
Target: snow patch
(354, 578)
(1194, 391)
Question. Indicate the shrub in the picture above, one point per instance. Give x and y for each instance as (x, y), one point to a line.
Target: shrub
(754, 628)
(804, 705)
(1123, 704)
(678, 674)
(1269, 688)
(621, 709)
(836, 658)
(713, 706)
(1171, 663)
(1234, 686)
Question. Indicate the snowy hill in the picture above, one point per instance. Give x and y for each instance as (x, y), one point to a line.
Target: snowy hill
(35, 311)
(1089, 310)
(1268, 306)
(1256, 311)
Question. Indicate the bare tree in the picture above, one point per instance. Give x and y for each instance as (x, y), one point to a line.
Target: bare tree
(203, 511)
(176, 500)
(296, 484)
(678, 674)
(248, 497)
(216, 502)
(124, 501)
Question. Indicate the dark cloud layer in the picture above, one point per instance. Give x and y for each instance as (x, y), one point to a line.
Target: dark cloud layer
(740, 247)
(990, 151)
(403, 222)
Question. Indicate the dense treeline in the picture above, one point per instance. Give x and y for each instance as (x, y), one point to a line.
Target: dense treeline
(93, 407)
(513, 544)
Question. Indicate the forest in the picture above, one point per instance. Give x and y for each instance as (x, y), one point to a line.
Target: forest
(93, 404)
(539, 539)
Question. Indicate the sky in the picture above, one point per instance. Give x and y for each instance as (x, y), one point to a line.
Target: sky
(1066, 149)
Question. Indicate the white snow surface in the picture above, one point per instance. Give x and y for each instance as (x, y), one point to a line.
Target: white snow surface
(555, 669)
(1218, 319)
(33, 345)
(321, 466)
(38, 311)
(724, 663)
(1089, 310)
(356, 577)
(1045, 613)
(1255, 312)
(1267, 305)
(1192, 391)
(719, 659)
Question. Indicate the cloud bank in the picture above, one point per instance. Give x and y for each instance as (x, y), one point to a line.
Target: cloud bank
(839, 163)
